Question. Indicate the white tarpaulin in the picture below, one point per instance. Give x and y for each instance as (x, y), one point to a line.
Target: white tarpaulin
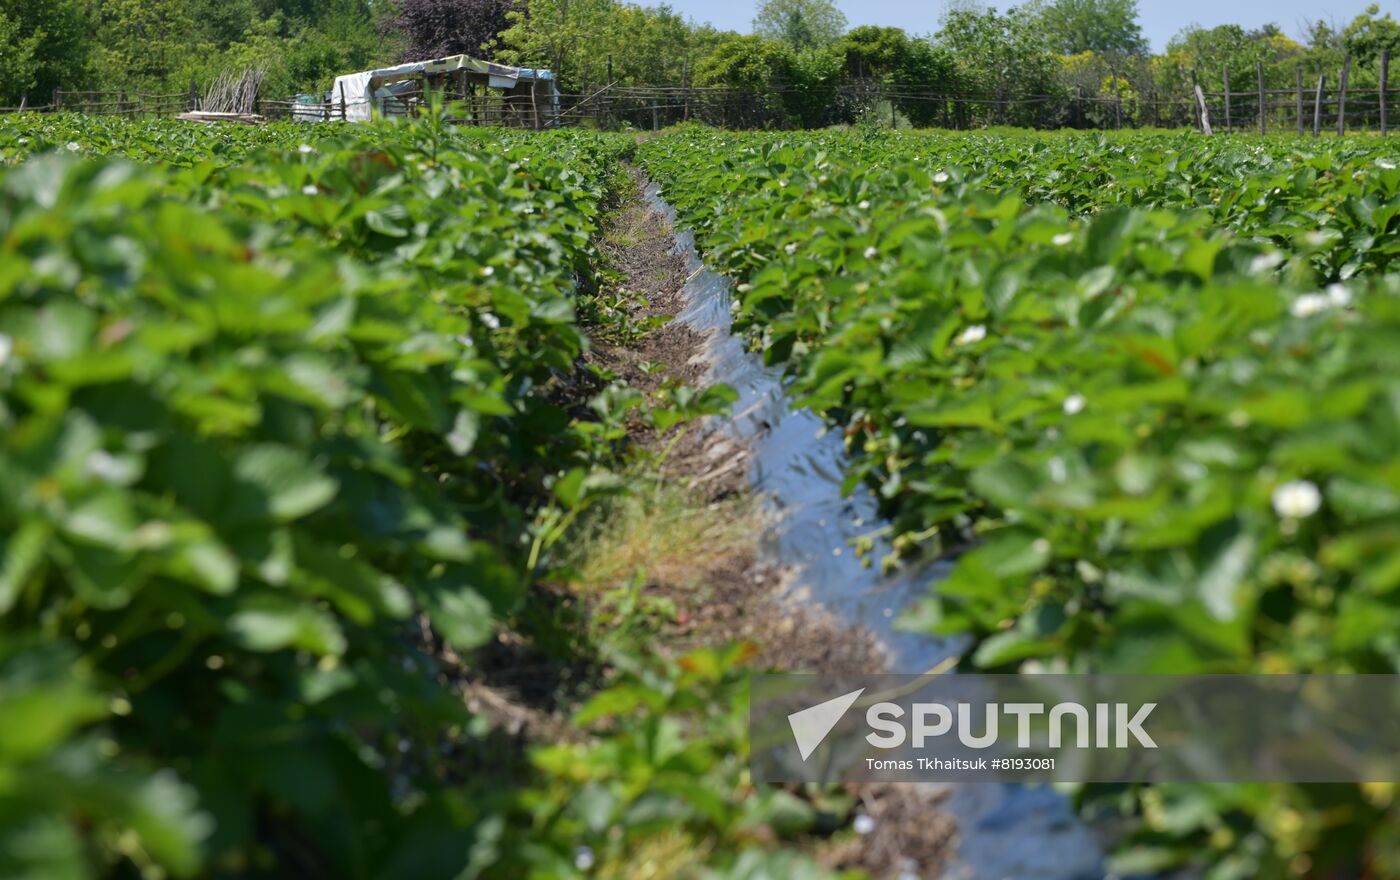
(359, 90)
(353, 89)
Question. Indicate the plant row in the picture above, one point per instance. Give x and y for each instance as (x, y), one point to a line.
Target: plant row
(1160, 431)
(285, 418)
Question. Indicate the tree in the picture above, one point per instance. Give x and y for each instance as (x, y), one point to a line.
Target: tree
(567, 36)
(1107, 27)
(16, 61)
(801, 24)
(1368, 34)
(438, 28)
(999, 56)
(870, 51)
(753, 63)
(1229, 46)
(143, 42)
(46, 46)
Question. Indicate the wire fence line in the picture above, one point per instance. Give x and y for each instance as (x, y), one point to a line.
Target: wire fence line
(1309, 107)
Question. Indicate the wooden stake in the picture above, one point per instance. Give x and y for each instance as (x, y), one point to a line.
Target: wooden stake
(1205, 114)
(1298, 71)
(1229, 124)
(1195, 90)
(1342, 98)
(1259, 68)
(1384, 85)
(1317, 105)
(1117, 101)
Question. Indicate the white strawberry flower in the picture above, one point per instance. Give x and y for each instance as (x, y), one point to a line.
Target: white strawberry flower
(1339, 295)
(491, 320)
(871, 252)
(583, 858)
(1073, 404)
(309, 190)
(305, 149)
(105, 466)
(940, 177)
(791, 248)
(1063, 239)
(975, 333)
(1296, 500)
(1310, 304)
(864, 205)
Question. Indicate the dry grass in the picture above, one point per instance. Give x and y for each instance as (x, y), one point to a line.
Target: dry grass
(666, 533)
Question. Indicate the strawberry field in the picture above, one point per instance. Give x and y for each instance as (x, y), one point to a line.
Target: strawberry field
(298, 422)
(1144, 387)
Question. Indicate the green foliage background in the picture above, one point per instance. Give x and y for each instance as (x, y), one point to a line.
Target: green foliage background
(1028, 61)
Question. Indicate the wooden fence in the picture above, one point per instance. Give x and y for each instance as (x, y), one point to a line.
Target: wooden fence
(1311, 106)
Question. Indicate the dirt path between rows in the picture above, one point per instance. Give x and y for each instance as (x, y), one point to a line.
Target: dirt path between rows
(694, 544)
(729, 594)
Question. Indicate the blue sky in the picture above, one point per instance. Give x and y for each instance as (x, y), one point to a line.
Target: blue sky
(1161, 19)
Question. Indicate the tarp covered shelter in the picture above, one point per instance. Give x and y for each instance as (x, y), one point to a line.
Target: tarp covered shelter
(381, 92)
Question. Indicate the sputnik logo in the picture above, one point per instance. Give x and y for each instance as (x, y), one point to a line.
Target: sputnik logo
(810, 726)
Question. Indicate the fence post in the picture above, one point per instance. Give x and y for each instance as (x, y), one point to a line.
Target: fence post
(1229, 123)
(1317, 104)
(1263, 105)
(57, 101)
(1205, 114)
(1196, 111)
(23, 100)
(194, 96)
(1298, 71)
(1117, 101)
(343, 116)
(1384, 86)
(1342, 98)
